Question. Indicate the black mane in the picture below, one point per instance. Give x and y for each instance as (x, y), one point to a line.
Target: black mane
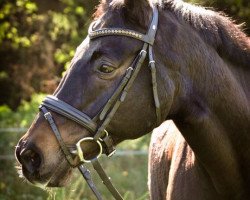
(216, 29)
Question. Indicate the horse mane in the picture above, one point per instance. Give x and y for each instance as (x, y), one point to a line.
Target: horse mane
(216, 29)
(100, 9)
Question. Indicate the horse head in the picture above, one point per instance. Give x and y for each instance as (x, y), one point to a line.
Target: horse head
(99, 68)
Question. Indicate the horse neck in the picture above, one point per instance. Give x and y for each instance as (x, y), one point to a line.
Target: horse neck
(215, 120)
(212, 108)
(242, 75)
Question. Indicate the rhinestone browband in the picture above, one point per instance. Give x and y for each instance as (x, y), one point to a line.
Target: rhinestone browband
(115, 31)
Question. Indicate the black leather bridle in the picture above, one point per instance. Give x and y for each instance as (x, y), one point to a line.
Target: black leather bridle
(101, 137)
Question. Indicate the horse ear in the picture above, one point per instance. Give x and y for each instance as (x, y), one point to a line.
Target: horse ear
(137, 11)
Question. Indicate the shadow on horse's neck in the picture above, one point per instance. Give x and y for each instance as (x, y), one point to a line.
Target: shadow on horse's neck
(213, 111)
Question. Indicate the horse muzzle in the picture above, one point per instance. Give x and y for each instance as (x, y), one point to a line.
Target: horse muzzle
(30, 159)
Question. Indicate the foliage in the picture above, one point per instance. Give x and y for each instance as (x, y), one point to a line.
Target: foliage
(24, 114)
(37, 41)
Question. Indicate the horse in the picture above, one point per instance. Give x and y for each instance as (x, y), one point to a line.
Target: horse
(199, 63)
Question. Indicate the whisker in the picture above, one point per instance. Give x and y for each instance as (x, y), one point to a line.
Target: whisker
(18, 167)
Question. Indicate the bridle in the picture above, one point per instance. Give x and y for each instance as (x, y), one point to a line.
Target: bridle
(101, 137)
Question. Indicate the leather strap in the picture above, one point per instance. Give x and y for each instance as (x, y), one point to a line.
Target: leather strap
(54, 128)
(154, 85)
(122, 92)
(87, 176)
(62, 108)
(118, 91)
(106, 180)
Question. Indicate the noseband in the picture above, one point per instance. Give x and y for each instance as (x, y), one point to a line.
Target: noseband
(101, 137)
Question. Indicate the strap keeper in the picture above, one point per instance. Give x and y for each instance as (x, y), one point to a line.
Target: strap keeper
(110, 150)
(143, 52)
(123, 95)
(48, 116)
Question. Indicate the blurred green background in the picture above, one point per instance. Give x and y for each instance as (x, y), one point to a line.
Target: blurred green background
(38, 38)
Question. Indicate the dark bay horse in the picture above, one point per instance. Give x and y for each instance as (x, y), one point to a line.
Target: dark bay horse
(202, 71)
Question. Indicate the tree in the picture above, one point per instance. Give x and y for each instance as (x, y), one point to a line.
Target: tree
(37, 40)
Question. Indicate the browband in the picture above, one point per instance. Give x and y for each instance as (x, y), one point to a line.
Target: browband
(148, 38)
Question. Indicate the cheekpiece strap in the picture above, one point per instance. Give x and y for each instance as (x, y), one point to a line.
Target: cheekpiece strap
(54, 128)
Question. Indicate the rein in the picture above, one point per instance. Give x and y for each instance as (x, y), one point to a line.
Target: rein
(101, 137)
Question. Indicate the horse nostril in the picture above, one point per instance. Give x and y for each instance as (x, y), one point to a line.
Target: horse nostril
(30, 160)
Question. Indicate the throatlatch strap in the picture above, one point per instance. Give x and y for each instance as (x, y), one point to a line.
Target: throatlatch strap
(106, 180)
(154, 85)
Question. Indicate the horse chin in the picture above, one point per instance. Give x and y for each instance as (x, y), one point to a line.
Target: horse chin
(60, 178)
(60, 182)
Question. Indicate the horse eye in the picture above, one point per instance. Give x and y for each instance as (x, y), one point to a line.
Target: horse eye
(106, 69)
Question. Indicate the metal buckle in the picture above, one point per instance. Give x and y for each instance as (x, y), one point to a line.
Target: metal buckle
(80, 152)
(47, 115)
